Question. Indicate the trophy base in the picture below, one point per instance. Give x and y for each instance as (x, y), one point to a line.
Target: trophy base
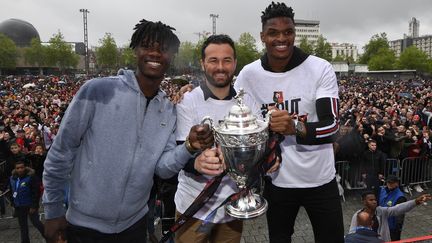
(248, 207)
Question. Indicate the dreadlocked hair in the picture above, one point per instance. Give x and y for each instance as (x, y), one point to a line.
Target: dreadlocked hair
(147, 33)
(276, 10)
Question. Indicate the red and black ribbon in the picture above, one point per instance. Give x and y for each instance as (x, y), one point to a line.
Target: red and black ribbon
(272, 153)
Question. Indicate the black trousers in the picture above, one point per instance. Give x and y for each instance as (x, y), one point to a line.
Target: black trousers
(22, 213)
(322, 205)
(137, 233)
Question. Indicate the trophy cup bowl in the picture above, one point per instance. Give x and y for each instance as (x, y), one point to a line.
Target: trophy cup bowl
(243, 139)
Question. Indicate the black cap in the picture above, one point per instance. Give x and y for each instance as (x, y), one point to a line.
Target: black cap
(392, 178)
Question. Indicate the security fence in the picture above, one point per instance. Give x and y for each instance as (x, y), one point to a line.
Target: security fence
(411, 171)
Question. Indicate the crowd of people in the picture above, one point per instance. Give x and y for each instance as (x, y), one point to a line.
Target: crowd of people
(383, 119)
(79, 123)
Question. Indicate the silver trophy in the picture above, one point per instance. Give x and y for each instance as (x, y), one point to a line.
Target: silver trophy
(243, 139)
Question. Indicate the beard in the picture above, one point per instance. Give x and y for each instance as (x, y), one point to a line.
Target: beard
(214, 83)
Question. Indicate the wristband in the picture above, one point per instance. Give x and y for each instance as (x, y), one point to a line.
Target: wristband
(189, 147)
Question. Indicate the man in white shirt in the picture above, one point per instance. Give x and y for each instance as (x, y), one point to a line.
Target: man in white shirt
(297, 85)
(213, 98)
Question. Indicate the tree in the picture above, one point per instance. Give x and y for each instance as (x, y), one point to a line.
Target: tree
(246, 50)
(36, 54)
(339, 58)
(186, 57)
(383, 59)
(323, 49)
(128, 57)
(60, 53)
(371, 48)
(306, 46)
(413, 58)
(107, 53)
(8, 53)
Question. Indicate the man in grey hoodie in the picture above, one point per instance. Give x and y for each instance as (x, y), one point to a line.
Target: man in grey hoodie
(110, 177)
(380, 214)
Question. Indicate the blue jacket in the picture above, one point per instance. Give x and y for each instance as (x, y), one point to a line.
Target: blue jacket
(109, 145)
(363, 236)
(25, 189)
(389, 198)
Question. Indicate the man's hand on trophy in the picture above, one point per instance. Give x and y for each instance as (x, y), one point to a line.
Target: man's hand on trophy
(210, 162)
(282, 122)
(200, 137)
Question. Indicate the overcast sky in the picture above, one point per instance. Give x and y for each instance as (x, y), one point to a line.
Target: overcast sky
(351, 21)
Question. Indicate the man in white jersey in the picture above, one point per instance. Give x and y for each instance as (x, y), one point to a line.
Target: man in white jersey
(213, 98)
(297, 85)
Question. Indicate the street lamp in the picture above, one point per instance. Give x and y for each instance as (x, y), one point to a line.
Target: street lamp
(85, 12)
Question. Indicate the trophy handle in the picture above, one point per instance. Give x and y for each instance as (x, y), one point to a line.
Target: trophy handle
(207, 120)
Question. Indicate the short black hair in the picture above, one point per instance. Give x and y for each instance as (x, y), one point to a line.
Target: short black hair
(366, 193)
(276, 10)
(217, 39)
(19, 162)
(147, 33)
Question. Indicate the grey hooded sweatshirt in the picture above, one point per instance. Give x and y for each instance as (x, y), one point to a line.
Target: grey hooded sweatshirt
(109, 145)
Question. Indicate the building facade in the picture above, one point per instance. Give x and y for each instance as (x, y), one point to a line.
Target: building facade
(414, 28)
(307, 28)
(423, 43)
(344, 50)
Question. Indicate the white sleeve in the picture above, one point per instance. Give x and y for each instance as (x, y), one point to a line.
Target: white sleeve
(327, 86)
(184, 118)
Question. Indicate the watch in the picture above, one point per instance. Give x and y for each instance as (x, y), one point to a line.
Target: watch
(189, 147)
(300, 128)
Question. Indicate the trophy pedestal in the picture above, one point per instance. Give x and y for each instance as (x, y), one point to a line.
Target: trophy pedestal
(247, 207)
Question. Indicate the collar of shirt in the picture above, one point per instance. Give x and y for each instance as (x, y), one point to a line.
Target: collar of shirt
(297, 58)
(208, 94)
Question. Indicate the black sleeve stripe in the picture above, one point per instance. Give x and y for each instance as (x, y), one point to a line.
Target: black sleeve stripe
(333, 128)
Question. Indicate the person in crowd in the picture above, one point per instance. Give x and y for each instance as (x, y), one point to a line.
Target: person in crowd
(363, 232)
(37, 159)
(372, 167)
(389, 196)
(111, 178)
(213, 98)
(381, 214)
(309, 120)
(25, 197)
(15, 155)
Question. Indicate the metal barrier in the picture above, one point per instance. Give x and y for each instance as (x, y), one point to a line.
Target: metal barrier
(411, 171)
(415, 171)
(391, 167)
(350, 175)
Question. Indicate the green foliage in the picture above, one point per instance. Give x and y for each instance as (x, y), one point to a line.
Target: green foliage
(323, 49)
(246, 50)
(8, 53)
(306, 46)
(60, 54)
(107, 53)
(339, 58)
(36, 54)
(383, 59)
(413, 58)
(186, 57)
(376, 43)
(128, 57)
(180, 82)
(343, 58)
